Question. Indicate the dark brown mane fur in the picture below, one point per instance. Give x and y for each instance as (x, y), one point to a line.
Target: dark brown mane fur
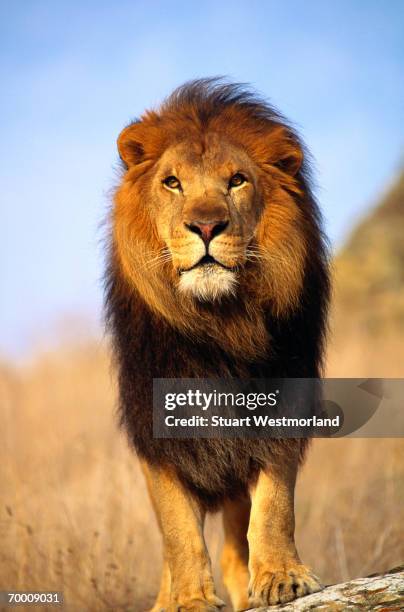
(290, 336)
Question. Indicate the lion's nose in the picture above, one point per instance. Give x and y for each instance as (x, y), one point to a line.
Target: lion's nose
(207, 230)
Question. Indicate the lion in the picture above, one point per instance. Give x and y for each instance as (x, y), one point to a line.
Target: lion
(217, 267)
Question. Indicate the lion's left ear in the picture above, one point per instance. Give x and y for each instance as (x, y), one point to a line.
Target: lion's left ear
(285, 151)
(131, 144)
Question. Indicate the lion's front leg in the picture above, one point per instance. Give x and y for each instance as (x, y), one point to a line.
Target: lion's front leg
(180, 518)
(276, 573)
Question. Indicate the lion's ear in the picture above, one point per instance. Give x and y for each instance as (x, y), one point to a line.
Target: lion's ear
(130, 147)
(286, 152)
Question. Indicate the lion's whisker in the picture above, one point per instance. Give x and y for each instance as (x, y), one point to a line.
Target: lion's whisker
(164, 256)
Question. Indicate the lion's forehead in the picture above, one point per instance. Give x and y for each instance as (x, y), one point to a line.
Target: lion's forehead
(212, 155)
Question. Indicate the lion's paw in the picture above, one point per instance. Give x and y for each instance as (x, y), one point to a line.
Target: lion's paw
(274, 587)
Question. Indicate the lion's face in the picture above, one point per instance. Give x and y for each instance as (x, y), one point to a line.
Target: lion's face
(206, 205)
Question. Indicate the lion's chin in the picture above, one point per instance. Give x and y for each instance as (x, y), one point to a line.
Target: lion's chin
(208, 283)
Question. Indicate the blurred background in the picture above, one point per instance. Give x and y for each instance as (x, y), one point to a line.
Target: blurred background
(74, 515)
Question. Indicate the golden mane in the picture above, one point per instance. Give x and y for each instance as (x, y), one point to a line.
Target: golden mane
(288, 231)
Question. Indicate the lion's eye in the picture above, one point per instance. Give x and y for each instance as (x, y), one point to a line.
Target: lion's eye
(172, 182)
(237, 180)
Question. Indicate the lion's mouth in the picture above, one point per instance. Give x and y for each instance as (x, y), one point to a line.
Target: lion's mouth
(208, 280)
(208, 262)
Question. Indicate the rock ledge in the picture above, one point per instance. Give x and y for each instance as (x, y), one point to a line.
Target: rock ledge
(383, 592)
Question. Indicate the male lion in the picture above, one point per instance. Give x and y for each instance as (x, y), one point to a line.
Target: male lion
(217, 268)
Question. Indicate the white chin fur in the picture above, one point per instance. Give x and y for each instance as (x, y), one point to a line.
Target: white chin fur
(208, 283)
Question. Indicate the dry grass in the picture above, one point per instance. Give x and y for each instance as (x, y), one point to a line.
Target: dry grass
(74, 515)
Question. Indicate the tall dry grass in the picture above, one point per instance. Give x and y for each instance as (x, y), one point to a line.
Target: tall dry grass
(75, 517)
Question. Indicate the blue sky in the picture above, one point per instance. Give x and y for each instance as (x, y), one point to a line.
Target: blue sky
(73, 74)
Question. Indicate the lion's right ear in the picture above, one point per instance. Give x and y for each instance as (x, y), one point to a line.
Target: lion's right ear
(130, 144)
(285, 150)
